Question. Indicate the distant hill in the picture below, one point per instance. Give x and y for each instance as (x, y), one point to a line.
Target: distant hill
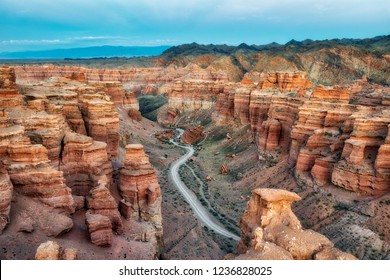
(328, 62)
(88, 52)
(376, 44)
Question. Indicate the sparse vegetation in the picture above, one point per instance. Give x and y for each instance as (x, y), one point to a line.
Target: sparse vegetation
(149, 104)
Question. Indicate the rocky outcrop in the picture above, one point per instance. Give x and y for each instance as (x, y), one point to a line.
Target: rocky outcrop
(134, 114)
(278, 80)
(192, 95)
(165, 135)
(51, 250)
(275, 131)
(84, 161)
(357, 169)
(101, 119)
(224, 169)
(270, 230)
(100, 201)
(331, 94)
(118, 95)
(6, 190)
(337, 142)
(84, 108)
(9, 94)
(29, 170)
(100, 229)
(139, 186)
(193, 134)
(31, 174)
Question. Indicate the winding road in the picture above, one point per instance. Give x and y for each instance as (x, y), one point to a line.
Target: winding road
(200, 211)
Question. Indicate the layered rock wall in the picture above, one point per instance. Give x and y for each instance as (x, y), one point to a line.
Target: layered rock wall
(84, 162)
(6, 191)
(139, 188)
(319, 129)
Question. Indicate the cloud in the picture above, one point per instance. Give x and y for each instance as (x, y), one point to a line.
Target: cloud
(134, 21)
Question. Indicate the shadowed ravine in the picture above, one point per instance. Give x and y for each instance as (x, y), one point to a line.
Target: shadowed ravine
(200, 211)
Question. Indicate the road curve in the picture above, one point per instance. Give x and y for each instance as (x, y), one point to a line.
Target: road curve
(201, 212)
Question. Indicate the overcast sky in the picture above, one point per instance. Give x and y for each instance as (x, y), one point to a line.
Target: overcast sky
(48, 24)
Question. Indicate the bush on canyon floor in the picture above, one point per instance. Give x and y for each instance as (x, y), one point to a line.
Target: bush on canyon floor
(149, 104)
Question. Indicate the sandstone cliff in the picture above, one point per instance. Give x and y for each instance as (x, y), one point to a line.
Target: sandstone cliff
(139, 188)
(57, 140)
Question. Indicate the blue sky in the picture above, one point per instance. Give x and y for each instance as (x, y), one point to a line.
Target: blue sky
(50, 24)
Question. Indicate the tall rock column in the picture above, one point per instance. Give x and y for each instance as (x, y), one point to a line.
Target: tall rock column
(139, 188)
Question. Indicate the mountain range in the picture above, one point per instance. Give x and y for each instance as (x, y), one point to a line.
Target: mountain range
(87, 52)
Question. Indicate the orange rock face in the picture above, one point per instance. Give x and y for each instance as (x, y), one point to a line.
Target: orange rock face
(278, 80)
(6, 190)
(35, 177)
(84, 161)
(101, 119)
(357, 168)
(270, 230)
(331, 94)
(118, 95)
(100, 229)
(9, 94)
(139, 186)
(192, 135)
(135, 114)
(100, 201)
(224, 169)
(192, 94)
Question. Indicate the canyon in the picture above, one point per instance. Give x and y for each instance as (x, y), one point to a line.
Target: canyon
(297, 169)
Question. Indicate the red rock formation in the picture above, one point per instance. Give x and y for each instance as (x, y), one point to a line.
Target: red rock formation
(6, 190)
(224, 107)
(55, 98)
(85, 109)
(101, 119)
(270, 135)
(270, 230)
(168, 117)
(193, 134)
(42, 128)
(241, 105)
(356, 169)
(165, 135)
(139, 186)
(28, 165)
(134, 114)
(118, 95)
(84, 161)
(260, 102)
(224, 169)
(192, 95)
(100, 201)
(9, 94)
(140, 76)
(278, 80)
(382, 162)
(331, 94)
(100, 229)
(31, 175)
